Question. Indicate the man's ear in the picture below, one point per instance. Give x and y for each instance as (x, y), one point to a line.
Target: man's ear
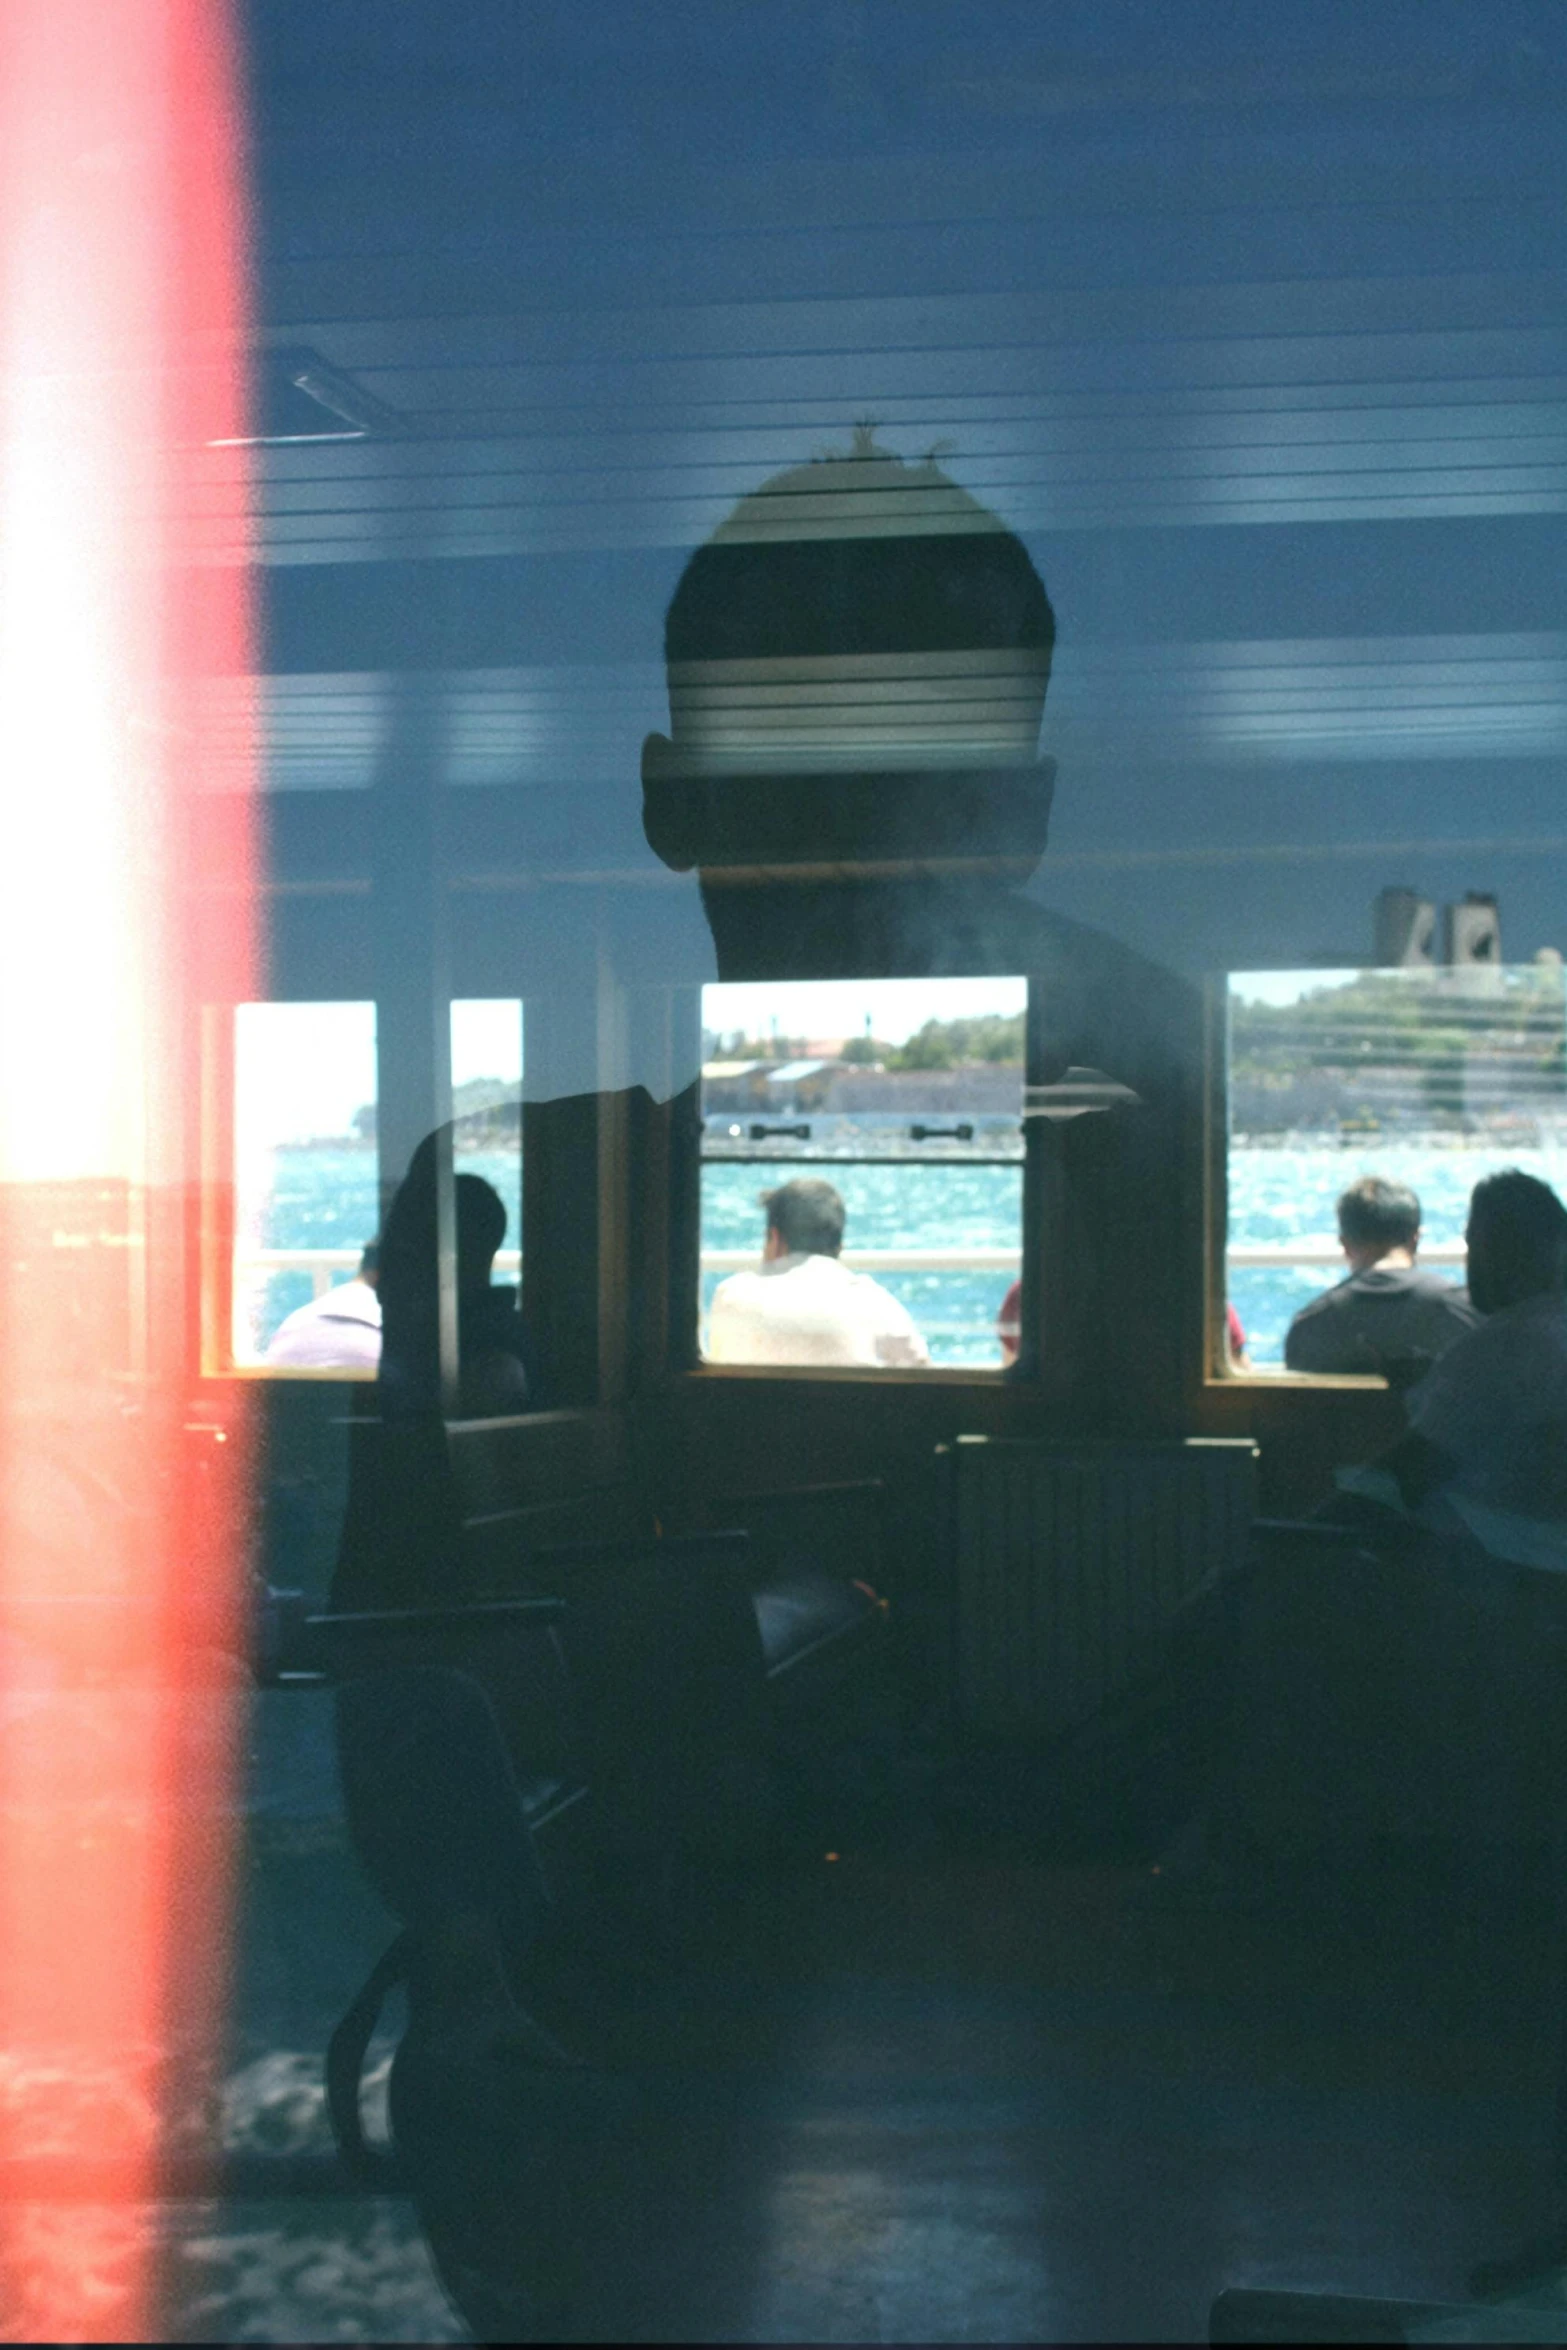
(669, 812)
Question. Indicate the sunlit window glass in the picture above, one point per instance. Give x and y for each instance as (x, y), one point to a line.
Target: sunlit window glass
(306, 1180)
(487, 1110)
(862, 1172)
(1364, 1106)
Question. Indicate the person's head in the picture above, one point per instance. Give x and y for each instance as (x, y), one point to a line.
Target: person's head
(857, 665)
(804, 1218)
(370, 1264)
(1377, 1219)
(1517, 1240)
(481, 1227)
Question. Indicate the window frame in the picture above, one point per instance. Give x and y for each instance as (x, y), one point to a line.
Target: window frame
(986, 1376)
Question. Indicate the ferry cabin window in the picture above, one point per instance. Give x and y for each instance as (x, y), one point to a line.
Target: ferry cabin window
(1422, 1078)
(878, 1122)
(487, 1110)
(308, 1182)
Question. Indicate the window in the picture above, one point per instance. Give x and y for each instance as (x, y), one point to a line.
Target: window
(305, 1173)
(901, 1101)
(1428, 1078)
(487, 1108)
(308, 1184)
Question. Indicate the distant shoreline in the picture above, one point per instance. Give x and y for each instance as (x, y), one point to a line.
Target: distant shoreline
(1533, 1136)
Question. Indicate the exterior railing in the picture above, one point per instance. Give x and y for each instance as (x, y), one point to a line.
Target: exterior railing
(324, 1265)
(1328, 1252)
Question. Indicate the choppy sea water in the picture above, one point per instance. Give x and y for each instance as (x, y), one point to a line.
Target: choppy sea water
(326, 1198)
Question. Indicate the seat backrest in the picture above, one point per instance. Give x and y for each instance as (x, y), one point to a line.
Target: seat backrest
(1401, 1694)
(649, 1692)
(401, 1542)
(665, 1657)
(834, 1529)
(440, 1511)
(434, 1801)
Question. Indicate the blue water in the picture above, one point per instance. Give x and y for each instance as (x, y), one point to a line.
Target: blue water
(326, 1198)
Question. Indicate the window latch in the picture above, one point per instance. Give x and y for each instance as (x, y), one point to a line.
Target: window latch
(795, 1133)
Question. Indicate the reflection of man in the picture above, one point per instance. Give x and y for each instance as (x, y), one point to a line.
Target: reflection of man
(804, 1305)
(339, 1331)
(857, 669)
(1386, 1315)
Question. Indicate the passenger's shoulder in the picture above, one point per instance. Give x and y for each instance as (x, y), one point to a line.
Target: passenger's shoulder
(735, 1286)
(1452, 1297)
(1326, 1301)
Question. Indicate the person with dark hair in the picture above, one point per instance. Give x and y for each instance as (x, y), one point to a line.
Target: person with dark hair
(1386, 1315)
(857, 666)
(1487, 1449)
(803, 1305)
(338, 1331)
(491, 1350)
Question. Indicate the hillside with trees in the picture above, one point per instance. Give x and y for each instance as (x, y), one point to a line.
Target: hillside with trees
(1429, 1051)
(984, 1040)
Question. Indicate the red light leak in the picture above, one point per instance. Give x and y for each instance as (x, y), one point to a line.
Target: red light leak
(126, 906)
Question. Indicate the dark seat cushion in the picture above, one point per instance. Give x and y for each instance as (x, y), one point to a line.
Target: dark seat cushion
(438, 1812)
(804, 1614)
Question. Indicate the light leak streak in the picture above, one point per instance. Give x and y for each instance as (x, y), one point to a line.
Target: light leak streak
(125, 906)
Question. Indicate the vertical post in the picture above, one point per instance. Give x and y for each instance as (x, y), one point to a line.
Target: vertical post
(614, 1169)
(1216, 1178)
(413, 1036)
(1039, 1332)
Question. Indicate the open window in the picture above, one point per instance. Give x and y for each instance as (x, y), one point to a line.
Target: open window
(308, 1181)
(1427, 1078)
(902, 1101)
(487, 1109)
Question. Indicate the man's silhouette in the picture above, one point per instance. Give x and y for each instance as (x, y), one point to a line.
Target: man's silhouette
(858, 662)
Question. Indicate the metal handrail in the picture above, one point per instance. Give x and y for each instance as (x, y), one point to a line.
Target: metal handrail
(323, 1263)
(1328, 1252)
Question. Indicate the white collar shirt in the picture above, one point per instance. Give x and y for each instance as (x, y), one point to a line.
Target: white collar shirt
(811, 1310)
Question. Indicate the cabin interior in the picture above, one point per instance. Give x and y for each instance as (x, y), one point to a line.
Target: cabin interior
(843, 1709)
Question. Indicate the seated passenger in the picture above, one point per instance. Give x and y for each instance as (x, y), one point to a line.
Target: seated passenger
(491, 1347)
(1235, 1341)
(338, 1331)
(1009, 1324)
(1487, 1447)
(1386, 1315)
(804, 1305)
(1476, 1488)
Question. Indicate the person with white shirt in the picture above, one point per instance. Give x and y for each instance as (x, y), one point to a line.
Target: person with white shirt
(803, 1304)
(338, 1331)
